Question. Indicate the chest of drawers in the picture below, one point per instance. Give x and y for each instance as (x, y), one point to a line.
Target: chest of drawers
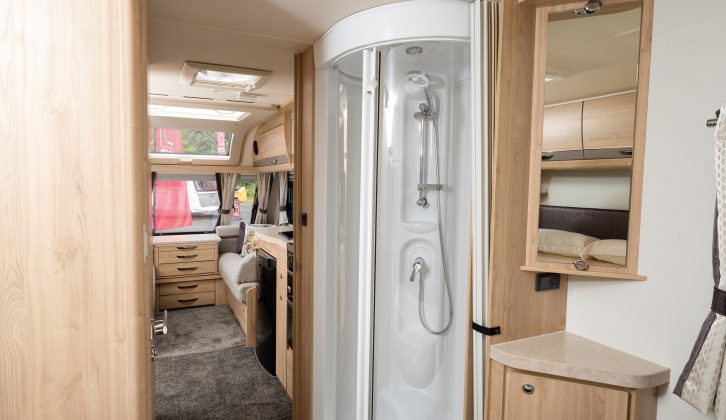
(187, 271)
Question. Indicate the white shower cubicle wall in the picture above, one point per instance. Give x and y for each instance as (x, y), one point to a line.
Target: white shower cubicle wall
(398, 205)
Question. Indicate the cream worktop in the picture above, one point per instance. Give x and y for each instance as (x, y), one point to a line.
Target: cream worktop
(571, 356)
(271, 234)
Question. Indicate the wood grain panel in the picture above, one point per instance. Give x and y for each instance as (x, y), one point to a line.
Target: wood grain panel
(644, 404)
(562, 127)
(561, 399)
(271, 143)
(186, 287)
(290, 362)
(595, 164)
(186, 268)
(513, 303)
(187, 256)
(302, 407)
(609, 122)
(77, 292)
(641, 119)
(186, 300)
(186, 247)
(245, 313)
(281, 322)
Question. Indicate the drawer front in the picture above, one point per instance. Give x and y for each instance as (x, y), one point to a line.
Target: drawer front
(529, 396)
(187, 268)
(186, 300)
(186, 256)
(186, 287)
(185, 247)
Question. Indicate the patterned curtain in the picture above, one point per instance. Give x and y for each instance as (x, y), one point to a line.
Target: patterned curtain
(264, 183)
(703, 381)
(228, 182)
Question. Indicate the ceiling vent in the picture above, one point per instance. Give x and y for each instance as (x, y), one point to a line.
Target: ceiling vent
(217, 76)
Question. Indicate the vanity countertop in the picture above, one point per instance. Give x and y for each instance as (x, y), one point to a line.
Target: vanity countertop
(176, 239)
(571, 356)
(272, 235)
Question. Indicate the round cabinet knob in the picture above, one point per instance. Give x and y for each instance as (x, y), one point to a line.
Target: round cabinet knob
(580, 264)
(528, 389)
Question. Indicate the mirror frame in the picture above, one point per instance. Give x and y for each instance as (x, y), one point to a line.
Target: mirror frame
(630, 271)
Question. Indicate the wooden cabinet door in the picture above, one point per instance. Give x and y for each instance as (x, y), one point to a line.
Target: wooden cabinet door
(562, 131)
(271, 147)
(558, 399)
(609, 122)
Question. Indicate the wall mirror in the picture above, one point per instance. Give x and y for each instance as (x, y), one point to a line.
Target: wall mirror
(588, 123)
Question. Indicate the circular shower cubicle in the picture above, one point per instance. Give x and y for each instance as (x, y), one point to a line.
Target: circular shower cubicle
(398, 145)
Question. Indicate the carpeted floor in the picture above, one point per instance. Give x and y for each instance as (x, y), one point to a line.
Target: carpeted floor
(196, 330)
(203, 372)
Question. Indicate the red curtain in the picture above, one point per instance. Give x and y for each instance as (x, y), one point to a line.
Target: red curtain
(171, 202)
(171, 205)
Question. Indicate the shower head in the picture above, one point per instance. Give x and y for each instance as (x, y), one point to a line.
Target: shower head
(418, 78)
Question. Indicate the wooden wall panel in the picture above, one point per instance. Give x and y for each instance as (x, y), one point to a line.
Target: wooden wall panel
(76, 290)
(513, 303)
(304, 193)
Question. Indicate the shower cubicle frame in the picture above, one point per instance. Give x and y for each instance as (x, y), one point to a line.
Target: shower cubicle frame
(422, 20)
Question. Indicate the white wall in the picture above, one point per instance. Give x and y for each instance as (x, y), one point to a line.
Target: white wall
(660, 318)
(599, 189)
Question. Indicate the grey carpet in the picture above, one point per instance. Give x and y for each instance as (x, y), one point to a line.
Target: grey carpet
(196, 330)
(222, 384)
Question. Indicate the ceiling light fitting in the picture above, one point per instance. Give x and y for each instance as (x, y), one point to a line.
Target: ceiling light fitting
(217, 76)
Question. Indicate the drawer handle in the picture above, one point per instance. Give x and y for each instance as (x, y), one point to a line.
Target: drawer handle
(191, 286)
(187, 300)
(186, 247)
(187, 256)
(186, 268)
(528, 389)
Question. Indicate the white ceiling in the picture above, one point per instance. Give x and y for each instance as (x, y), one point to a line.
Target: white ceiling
(594, 55)
(262, 34)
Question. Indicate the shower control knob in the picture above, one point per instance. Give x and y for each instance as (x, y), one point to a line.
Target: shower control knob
(528, 389)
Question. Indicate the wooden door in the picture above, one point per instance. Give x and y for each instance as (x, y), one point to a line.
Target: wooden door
(75, 271)
(609, 122)
(562, 131)
(556, 399)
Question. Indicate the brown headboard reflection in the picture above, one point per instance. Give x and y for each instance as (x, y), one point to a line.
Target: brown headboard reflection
(600, 223)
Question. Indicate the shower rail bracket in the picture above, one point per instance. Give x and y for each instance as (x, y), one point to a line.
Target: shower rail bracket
(486, 330)
(430, 187)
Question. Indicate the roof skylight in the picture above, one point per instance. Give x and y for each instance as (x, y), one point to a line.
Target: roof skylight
(216, 76)
(196, 113)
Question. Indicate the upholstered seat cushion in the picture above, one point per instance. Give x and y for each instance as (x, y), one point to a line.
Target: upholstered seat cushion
(238, 269)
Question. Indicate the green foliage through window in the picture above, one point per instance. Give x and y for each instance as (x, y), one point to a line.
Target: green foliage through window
(193, 142)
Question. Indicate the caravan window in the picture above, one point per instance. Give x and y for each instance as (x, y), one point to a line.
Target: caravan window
(244, 198)
(174, 142)
(185, 204)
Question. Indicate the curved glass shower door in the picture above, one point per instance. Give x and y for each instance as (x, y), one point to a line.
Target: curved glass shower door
(404, 144)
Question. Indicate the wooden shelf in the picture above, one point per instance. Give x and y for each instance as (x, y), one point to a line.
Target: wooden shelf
(571, 165)
(598, 274)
